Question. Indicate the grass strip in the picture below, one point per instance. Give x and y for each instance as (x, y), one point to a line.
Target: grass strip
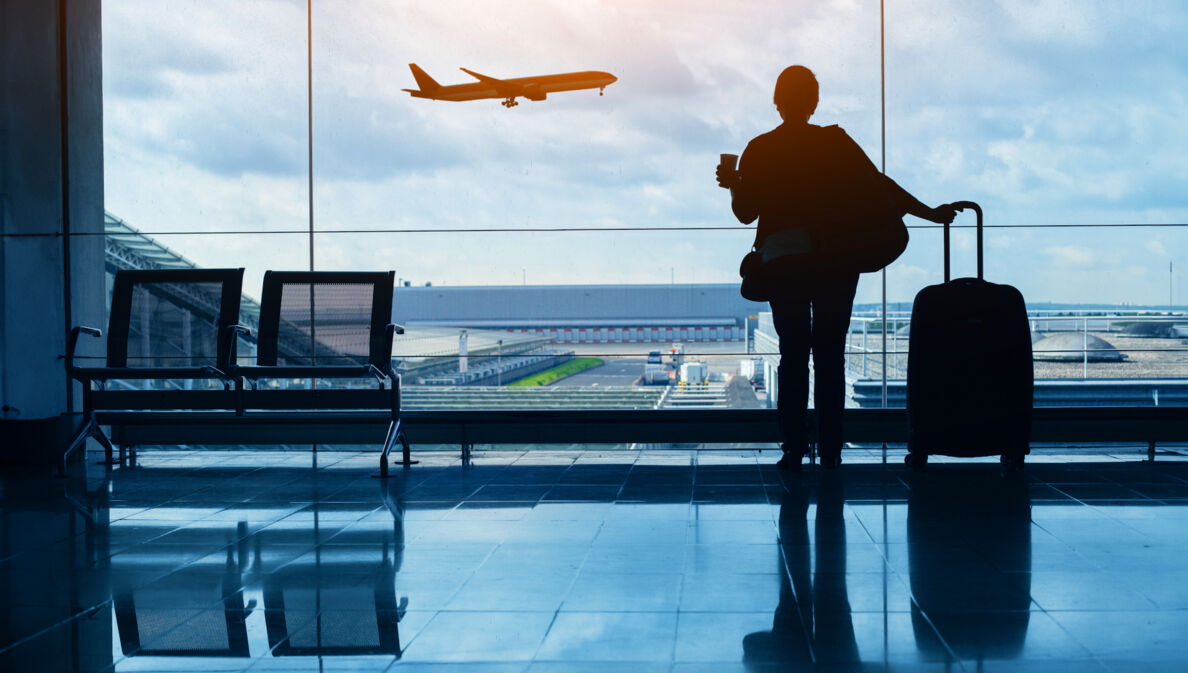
(544, 378)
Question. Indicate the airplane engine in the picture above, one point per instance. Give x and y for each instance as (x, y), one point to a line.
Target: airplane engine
(534, 94)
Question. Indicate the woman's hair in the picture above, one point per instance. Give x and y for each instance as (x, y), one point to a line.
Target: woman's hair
(796, 91)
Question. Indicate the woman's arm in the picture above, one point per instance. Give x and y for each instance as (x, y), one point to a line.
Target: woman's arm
(743, 203)
(743, 199)
(942, 214)
(903, 200)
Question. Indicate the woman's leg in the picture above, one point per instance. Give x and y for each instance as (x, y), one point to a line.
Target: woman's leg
(833, 300)
(791, 318)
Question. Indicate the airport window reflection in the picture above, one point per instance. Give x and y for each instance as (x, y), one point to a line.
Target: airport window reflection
(573, 251)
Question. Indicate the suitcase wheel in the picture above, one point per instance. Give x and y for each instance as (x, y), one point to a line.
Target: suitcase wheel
(1011, 463)
(916, 461)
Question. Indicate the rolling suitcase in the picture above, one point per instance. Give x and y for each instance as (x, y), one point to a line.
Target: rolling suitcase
(970, 377)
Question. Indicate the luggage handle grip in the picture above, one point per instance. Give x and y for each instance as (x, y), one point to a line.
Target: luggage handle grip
(962, 205)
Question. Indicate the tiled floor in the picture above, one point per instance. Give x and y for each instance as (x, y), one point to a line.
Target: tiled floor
(616, 561)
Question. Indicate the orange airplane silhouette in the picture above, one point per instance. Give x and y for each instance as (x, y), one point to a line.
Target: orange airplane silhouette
(532, 88)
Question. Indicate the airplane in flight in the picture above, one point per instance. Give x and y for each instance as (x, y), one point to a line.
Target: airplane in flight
(532, 88)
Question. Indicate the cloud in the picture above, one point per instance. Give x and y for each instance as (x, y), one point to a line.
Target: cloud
(1071, 255)
(153, 68)
(1000, 241)
(1155, 247)
(1043, 112)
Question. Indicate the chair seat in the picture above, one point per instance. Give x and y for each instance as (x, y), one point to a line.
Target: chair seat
(321, 398)
(163, 399)
(305, 371)
(105, 373)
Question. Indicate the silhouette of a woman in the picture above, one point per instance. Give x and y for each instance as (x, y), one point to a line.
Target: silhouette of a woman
(800, 180)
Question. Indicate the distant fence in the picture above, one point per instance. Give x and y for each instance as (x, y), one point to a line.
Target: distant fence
(1055, 393)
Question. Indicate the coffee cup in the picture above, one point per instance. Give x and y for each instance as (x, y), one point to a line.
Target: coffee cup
(729, 162)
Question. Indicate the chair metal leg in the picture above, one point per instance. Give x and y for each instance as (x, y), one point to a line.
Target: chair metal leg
(389, 442)
(405, 448)
(79, 439)
(395, 434)
(108, 449)
(90, 428)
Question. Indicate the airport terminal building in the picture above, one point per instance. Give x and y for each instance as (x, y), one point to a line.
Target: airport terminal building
(586, 313)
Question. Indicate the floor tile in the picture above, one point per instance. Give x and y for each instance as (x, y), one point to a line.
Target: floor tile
(489, 636)
(611, 636)
(600, 560)
(624, 592)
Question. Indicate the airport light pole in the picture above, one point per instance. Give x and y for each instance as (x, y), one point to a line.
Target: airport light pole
(499, 366)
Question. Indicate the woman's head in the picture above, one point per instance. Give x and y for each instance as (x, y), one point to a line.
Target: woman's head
(796, 93)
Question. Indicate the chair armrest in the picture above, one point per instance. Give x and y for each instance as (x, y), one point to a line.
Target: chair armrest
(218, 373)
(72, 342)
(377, 373)
(389, 330)
(233, 332)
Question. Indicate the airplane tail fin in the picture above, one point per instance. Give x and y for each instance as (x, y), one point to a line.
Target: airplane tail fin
(424, 81)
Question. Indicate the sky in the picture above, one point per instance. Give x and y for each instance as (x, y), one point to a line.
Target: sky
(1043, 111)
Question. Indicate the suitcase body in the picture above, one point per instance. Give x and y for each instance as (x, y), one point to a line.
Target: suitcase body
(970, 376)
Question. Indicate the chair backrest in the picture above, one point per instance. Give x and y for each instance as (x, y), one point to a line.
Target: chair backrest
(173, 318)
(326, 318)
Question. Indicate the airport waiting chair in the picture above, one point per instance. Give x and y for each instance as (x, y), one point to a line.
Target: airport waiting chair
(170, 342)
(325, 326)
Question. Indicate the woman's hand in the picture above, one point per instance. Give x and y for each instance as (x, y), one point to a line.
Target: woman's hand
(942, 214)
(727, 178)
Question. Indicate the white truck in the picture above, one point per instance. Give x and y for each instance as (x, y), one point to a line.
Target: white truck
(694, 374)
(751, 369)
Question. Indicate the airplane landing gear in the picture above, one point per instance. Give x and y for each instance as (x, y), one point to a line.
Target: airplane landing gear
(510, 103)
(600, 90)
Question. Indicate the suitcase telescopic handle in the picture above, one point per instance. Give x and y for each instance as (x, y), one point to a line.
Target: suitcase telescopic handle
(962, 205)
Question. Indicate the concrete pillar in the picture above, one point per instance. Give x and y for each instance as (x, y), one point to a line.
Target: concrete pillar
(51, 184)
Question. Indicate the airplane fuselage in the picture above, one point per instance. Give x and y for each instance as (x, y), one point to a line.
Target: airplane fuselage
(532, 88)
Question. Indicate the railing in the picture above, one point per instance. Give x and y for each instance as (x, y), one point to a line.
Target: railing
(864, 354)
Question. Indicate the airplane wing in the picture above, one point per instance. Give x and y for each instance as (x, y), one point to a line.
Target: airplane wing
(482, 78)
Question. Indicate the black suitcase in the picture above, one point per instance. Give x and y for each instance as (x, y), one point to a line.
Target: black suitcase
(970, 377)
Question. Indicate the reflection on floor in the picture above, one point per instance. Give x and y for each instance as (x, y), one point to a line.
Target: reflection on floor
(589, 561)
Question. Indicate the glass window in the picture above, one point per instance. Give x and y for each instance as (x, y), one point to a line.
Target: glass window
(571, 237)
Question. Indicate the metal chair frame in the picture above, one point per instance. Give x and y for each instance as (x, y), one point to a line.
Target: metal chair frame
(378, 364)
(93, 379)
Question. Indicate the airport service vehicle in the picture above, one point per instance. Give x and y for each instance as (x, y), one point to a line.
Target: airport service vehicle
(677, 356)
(752, 369)
(694, 374)
(970, 378)
(532, 88)
(655, 375)
(654, 358)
